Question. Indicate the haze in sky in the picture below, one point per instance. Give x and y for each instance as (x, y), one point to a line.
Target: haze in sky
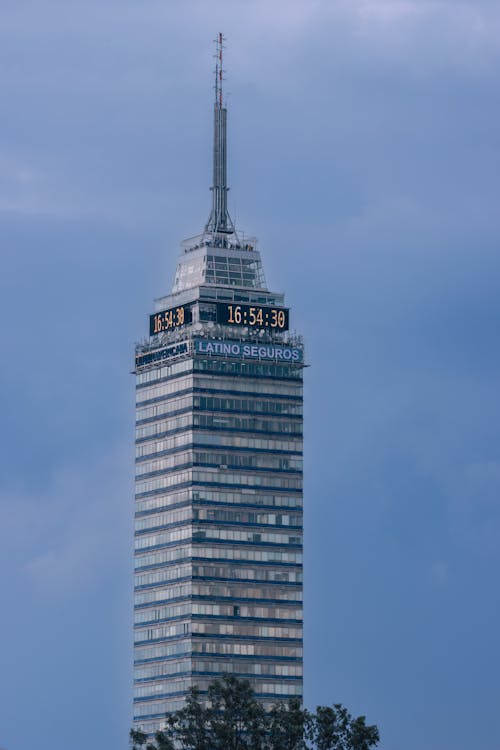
(364, 149)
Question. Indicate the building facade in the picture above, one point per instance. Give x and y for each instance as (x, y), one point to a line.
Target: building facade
(218, 509)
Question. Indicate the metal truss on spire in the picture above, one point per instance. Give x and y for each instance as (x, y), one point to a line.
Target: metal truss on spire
(219, 221)
(220, 231)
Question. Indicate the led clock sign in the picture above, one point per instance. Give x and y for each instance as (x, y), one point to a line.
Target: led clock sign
(166, 320)
(253, 316)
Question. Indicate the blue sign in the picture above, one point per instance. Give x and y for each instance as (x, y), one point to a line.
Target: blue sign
(160, 354)
(274, 352)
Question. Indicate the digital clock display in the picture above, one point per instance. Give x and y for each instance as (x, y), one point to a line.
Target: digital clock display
(253, 316)
(165, 320)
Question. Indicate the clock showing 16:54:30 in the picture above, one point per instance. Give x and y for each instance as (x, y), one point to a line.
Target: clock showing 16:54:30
(253, 316)
(174, 317)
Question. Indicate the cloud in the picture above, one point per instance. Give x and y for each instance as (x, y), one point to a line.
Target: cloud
(364, 151)
(91, 85)
(22, 185)
(420, 34)
(74, 533)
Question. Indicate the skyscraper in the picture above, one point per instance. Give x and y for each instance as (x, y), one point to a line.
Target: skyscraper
(218, 509)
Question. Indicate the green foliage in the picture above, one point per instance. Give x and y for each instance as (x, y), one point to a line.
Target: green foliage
(335, 729)
(288, 724)
(189, 725)
(231, 718)
(137, 739)
(237, 721)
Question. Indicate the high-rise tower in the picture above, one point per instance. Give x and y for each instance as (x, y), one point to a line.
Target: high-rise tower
(218, 510)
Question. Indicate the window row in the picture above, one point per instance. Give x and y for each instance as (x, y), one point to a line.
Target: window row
(172, 554)
(163, 408)
(220, 647)
(158, 520)
(164, 371)
(216, 590)
(282, 482)
(163, 575)
(243, 497)
(223, 648)
(215, 629)
(262, 406)
(223, 262)
(177, 572)
(258, 424)
(163, 651)
(258, 405)
(262, 669)
(216, 440)
(153, 689)
(239, 441)
(201, 609)
(239, 479)
(221, 460)
(152, 522)
(159, 709)
(165, 631)
(160, 483)
(164, 389)
(232, 278)
(232, 535)
(247, 516)
(171, 424)
(159, 502)
(175, 685)
(264, 387)
(247, 554)
(211, 461)
(164, 464)
(163, 669)
(248, 631)
(166, 444)
(248, 461)
(201, 553)
(169, 611)
(165, 537)
(246, 497)
(246, 591)
(249, 369)
(235, 572)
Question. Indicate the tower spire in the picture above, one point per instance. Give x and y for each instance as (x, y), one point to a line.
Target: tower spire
(219, 221)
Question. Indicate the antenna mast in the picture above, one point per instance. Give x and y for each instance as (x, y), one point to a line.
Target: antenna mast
(219, 221)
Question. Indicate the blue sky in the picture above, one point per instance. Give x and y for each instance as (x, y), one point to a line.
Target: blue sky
(364, 148)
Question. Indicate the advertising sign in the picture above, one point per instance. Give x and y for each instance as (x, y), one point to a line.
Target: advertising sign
(274, 352)
(159, 355)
